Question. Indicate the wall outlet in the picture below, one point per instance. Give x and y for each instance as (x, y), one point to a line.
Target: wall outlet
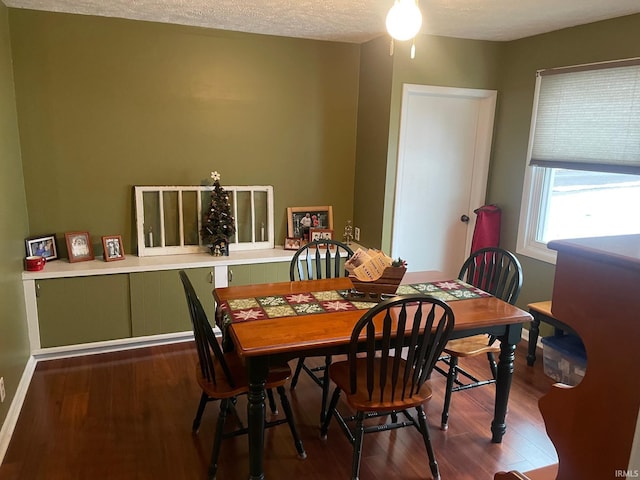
(2, 392)
(356, 234)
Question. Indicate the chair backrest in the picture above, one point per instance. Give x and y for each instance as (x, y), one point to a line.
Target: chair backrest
(209, 350)
(413, 327)
(310, 256)
(494, 270)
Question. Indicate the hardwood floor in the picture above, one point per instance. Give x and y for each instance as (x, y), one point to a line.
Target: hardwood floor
(127, 415)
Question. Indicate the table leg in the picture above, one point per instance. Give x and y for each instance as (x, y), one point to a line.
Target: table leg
(503, 381)
(534, 331)
(257, 369)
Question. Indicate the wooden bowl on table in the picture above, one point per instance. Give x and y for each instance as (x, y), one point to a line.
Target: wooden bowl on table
(377, 290)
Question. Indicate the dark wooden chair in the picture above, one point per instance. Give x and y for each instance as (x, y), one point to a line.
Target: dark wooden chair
(222, 376)
(498, 272)
(316, 260)
(402, 339)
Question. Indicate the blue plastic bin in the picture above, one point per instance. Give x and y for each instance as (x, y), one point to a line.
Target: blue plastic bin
(565, 359)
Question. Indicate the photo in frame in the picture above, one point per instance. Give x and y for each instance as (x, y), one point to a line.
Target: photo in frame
(42, 246)
(79, 246)
(302, 219)
(292, 243)
(320, 234)
(112, 247)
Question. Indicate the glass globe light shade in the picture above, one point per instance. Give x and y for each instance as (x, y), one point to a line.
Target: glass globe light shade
(404, 20)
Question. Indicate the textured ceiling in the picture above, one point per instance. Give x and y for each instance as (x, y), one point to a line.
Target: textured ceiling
(352, 20)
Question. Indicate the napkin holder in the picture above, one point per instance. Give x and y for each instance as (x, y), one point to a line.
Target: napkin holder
(376, 290)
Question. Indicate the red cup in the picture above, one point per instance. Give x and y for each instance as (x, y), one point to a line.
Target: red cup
(35, 264)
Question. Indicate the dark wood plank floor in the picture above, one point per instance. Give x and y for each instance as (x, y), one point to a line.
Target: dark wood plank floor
(127, 415)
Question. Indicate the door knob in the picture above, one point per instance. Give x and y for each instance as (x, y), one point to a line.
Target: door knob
(464, 218)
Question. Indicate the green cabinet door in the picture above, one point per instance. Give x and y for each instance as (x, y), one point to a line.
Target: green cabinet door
(158, 303)
(83, 309)
(258, 273)
(239, 275)
(107, 307)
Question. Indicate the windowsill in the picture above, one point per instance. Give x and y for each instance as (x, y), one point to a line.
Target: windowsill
(538, 252)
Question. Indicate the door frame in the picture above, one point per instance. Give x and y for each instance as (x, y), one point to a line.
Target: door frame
(482, 148)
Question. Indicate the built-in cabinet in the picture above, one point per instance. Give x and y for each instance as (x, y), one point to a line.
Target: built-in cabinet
(258, 273)
(71, 304)
(83, 310)
(158, 303)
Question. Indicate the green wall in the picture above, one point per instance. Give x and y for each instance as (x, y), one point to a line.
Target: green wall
(14, 343)
(105, 104)
(601, 41)
(374, 103)
(439, 61)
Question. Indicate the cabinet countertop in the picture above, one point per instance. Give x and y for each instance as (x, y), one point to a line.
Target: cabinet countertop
(133, 264)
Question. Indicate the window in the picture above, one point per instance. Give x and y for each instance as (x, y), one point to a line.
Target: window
(169, 219)
(583, 177)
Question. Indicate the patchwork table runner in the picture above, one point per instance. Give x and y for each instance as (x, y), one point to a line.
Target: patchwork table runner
(260, 308)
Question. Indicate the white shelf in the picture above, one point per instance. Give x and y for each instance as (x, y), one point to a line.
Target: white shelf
(132, 263)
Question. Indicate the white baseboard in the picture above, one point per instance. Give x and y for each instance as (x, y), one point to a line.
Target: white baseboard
(525, 336)
(68, 351)
(16, 405)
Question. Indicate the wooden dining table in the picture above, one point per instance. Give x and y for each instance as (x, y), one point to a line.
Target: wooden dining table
(263, 341)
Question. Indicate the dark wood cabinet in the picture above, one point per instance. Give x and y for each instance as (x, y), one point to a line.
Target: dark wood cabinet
(597, 293)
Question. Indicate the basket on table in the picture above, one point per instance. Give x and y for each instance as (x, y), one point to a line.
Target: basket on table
(377, 290)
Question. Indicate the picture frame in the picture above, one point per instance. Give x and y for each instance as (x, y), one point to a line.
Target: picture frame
(42, 246)
(292, 243)
(320, 234)
(112, 248)
(301, 219)
(79, 246)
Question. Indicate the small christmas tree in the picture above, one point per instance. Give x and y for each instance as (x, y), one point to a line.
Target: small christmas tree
(218, 225)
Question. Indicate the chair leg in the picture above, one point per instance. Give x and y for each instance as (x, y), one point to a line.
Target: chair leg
(492, 364)
(325, 388)
(451, 378)
(272, 402)
(292, 425)
(232, 408)
(424, 428)
(217, 441)
(357, 446)
(327, 419)
(204, 398)
(296, 374)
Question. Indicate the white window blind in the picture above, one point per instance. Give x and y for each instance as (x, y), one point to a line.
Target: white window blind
(588, 118)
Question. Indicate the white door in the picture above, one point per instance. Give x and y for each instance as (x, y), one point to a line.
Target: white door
(443, 159)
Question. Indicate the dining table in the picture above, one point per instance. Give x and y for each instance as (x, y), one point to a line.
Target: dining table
(271, 323)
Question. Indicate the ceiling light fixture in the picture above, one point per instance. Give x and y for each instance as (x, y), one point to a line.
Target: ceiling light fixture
(403, 22)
